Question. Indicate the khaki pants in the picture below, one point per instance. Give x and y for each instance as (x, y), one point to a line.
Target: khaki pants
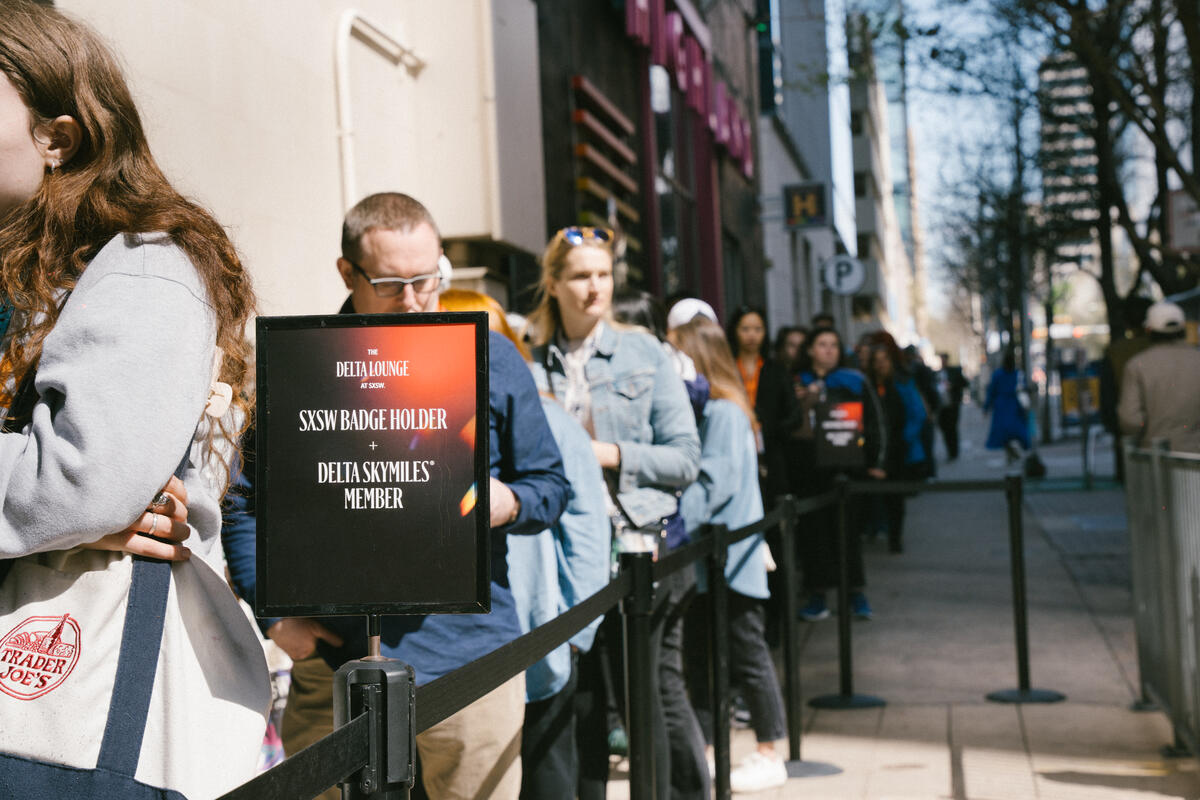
(308, 715)
(476, 753)
(473, 755)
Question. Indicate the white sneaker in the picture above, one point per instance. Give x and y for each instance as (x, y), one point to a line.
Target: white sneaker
(758, 772)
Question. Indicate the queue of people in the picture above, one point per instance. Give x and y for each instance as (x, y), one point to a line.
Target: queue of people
(607, 432)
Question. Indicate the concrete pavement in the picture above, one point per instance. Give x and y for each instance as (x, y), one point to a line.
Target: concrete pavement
(942, 638)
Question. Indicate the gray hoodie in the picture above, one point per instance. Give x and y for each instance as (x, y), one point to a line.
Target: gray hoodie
(122, 383)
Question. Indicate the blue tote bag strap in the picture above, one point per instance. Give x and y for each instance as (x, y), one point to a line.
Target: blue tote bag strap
(136, 666)
(137, 662)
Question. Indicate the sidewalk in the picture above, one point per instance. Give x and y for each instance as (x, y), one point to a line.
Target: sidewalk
(942, 638)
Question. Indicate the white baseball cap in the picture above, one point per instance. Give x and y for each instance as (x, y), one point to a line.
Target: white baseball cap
(687, 310)
(1164, 317)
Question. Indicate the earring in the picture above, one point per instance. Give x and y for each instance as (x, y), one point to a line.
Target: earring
(54, 165)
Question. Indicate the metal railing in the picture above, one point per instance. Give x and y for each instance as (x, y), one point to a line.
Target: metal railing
(347, 753)
(1162, 497)
(370, 751)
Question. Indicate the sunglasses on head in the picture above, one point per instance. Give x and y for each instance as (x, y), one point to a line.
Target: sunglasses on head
(576, 235)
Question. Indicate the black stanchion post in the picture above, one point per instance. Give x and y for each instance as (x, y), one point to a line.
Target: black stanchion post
(384, 690)
(636, 609)
(1014, 493)
(790, 631)
(719, 622)
(846, 698)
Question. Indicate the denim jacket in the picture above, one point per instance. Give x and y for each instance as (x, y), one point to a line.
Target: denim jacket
(558, 568)
(727, 493)
(639, 402)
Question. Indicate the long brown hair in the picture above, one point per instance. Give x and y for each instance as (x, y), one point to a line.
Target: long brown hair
(111, 185)
(704, 342)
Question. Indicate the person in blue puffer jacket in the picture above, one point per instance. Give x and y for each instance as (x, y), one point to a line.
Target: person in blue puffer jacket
(905, 415)
(822, 382)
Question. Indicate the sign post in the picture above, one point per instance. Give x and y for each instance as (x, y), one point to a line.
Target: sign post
(372, 496)
(804, 206)
(844, 274)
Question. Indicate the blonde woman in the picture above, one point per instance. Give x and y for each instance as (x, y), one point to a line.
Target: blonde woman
(620, 385)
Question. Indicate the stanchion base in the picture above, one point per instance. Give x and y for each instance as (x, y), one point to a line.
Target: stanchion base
(811, 769)
(846, 702)
(1142, 706)
(1026, 696)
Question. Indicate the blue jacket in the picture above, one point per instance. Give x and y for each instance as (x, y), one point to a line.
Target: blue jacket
(554, 570)
(1010, 421)
(727, 493)
(522, 455)
(640, 403)
(915, 416)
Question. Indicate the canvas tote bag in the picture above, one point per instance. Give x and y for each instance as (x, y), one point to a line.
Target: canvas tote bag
(122, 671)
(125, 677)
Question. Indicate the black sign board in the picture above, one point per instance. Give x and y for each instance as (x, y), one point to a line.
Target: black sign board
(839, 435)
(804, 206)
(372, 481)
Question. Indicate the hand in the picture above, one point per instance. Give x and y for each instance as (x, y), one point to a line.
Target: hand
(505, 505)
(607, 453)
(807, 396)
(298, 636)
(876, 473)
(166, 521)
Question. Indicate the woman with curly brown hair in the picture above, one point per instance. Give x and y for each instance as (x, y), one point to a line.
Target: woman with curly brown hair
(125, 306)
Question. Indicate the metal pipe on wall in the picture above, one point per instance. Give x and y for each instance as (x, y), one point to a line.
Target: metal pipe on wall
(353, 21)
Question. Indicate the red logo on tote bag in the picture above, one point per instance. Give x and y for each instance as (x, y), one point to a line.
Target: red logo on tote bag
(38, 655)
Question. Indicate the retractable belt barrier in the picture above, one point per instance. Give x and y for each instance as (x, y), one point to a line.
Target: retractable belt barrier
(1013, 488)
(348, 751)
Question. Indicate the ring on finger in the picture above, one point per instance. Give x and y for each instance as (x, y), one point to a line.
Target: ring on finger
(153, 524)
(159, 500)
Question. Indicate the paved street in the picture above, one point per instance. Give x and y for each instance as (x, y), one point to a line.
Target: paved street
(942, 638)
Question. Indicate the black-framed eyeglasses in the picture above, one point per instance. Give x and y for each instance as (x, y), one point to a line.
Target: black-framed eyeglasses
(576, 235)
(394, 287)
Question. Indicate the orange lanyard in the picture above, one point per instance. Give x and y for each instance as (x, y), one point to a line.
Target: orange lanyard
(751, 381)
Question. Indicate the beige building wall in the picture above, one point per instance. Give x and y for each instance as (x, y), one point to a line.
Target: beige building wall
(887, 261)
(240, 103)
(787, 274)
